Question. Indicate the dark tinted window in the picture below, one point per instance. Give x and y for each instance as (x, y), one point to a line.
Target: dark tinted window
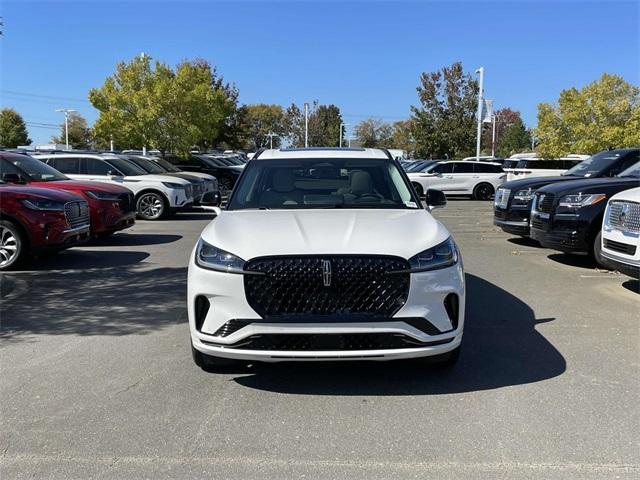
(36, 169)
(93, 166)
(65, 165)
(624, 164)
(443, 168)
(484, 168)
(463, 167)
(596, 165)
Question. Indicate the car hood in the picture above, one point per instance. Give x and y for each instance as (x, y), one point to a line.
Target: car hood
(79, 185)
(185, 176)
(534, 182)
(155, 178)
(257, 233)
(21, 191)
(591, 185)
(201, 176)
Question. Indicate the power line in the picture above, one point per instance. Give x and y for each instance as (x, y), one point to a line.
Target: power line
(40, 96)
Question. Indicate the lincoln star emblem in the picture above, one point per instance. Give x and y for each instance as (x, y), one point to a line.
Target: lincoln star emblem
(326, 273)
(626, 209)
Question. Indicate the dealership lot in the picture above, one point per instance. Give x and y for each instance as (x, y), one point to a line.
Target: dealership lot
(98, 380)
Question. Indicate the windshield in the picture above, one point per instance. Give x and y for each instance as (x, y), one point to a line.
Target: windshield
(234, 160)
(126, 167)
(593, 166)
(37, 170)
(214, 162)
(322, 183)
(168, 166)
(148, 165)
(633, 171)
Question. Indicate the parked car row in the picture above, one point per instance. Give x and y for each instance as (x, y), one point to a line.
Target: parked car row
(58, 200)
(567, 213)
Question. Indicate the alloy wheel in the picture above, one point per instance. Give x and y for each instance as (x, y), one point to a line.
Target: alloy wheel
(150, 206)
(484, 192)
(8, 246)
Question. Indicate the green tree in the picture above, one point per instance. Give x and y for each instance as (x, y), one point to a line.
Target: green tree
(294, 125)
(516, 139)
(79, 132)
(255, 122)
(444, 123)
(373, 132)
(402, 136)
(603, 114)
(324, 126)
(13, 130)
(156, 106)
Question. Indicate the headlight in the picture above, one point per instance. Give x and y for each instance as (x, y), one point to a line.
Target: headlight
(581, 200)
(525, 195)
(98, 195)
(441, 256)
(44, 205)
(173, 185)
(212, 258)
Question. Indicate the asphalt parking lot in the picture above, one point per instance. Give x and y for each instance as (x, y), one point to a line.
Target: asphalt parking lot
(98, 381)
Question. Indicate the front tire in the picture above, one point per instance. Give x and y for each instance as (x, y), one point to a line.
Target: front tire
(12, 245)
(596, 252)
(151, 206)
(225, 184)
(483, 191)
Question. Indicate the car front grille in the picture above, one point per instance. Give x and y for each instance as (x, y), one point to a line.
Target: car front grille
(126, 202)
(188, 191)
(620, 247)
(286, 342)
(327, 285)
(535, 223)
(77, 214)
(624, 216)
(544, 202)
(500, 214)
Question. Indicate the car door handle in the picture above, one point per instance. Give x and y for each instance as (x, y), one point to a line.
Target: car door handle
(448, 176)
(476, 176)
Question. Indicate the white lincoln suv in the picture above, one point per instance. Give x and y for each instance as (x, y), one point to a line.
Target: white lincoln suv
(325, 254)
(621, 232)
(155, 195)
(477, 179)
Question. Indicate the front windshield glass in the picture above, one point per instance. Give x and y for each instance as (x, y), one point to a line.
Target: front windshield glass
(633, 171)
(168, 166)
(148, 165)
(322, 183)
(37, 170)
(214, 162)
(126, 167)
(594, 165)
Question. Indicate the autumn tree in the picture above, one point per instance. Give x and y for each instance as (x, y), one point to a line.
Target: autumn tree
(444, 122)
(145, 104)
(603, 114)
(324, 125)
(373, 132)
(255, 122)
(79, 132)
(13, 130)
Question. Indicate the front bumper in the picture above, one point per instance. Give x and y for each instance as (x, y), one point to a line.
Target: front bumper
(621, 251)
(178, 199)
(566, 234)
(227, 301)
(514, 219)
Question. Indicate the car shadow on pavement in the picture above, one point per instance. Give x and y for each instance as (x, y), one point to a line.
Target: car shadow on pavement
(574, 260)
(525, 242)
(77, 259)
(501, 348)
(632, 285)
(134, 239)
(116, 301)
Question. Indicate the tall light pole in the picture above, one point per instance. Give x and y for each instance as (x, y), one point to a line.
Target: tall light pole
(271, 135)
(306, 124)
(66, 112)
(480, 101)
(493, 136)
(350, 137)
(342, 125)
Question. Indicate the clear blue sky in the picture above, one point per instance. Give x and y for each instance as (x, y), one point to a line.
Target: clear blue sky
(366, 57)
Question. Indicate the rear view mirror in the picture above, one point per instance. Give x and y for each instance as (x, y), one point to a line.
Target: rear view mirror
(12, 178)
(435, 199)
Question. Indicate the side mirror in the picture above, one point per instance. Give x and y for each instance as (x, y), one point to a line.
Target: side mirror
(435, 199)
(113, 173)
(12, 178)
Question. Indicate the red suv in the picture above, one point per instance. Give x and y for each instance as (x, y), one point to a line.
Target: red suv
(112, 207)
(36, 219)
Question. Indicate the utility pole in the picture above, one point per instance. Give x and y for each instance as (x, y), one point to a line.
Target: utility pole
(493, 136)
(342, 125)
(480, 102)
(306, 124)
(66, 112)
(350, 137)
(111, 143)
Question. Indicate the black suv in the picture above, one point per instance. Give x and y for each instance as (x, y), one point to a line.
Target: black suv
(567, 216)
(226, 174)
(512, 205)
